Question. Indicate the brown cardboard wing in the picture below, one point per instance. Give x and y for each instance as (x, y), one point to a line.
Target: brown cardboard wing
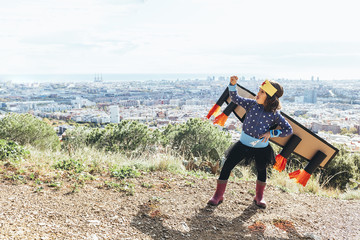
(310, 142)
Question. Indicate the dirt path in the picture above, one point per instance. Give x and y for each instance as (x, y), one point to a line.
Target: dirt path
(167, 206)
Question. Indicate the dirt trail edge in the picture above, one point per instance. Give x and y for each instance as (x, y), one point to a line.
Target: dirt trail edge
(169, 206)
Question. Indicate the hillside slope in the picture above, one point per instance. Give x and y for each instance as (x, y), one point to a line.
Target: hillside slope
(169, 206)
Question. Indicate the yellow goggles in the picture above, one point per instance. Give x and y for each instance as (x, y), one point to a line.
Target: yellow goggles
(268, 88)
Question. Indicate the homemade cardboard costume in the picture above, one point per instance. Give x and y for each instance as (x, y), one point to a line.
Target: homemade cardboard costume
(302, 142)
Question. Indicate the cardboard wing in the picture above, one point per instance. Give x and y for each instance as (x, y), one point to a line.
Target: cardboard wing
(306, 143)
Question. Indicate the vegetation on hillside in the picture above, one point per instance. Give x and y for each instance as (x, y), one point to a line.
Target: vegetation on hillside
(30, 152)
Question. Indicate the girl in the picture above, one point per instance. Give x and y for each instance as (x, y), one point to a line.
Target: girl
(261, 115)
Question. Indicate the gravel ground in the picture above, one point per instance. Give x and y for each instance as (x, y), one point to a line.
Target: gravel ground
(168, 206)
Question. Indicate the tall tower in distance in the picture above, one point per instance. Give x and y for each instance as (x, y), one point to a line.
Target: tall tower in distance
(114, 114)
(98, 78)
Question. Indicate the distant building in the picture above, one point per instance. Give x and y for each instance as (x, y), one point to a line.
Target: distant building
(114, 114)
(300, 112)
(79, 102)
(310, 96)
(316, 127)
(358, 129)
(98, 78)
(299, 99)
(129, 103)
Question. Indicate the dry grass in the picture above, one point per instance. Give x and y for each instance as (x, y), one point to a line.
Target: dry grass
(313, 186)
(101, 161)
(351, 195)
(98, 162)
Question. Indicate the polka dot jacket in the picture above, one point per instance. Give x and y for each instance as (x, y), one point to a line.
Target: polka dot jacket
(258, 121)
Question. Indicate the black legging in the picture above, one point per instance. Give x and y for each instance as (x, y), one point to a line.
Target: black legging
(239, 151)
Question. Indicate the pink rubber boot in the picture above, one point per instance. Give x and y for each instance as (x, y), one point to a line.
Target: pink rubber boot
(219, 193)
(259, 200)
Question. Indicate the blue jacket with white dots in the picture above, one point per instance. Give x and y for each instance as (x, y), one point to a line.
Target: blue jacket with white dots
(258, 121)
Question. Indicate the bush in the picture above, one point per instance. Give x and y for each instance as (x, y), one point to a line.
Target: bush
(70, 165)
(27, 129)
(196, 138)
(124, 172)
(75, 138)
(127, 136)
(339, 171)
(10, 150)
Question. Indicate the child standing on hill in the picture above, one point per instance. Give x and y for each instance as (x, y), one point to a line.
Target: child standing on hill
(261, 115)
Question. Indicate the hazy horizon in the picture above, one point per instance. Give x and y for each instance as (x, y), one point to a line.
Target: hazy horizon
(115, 77)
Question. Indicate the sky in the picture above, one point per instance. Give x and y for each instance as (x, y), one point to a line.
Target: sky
(275, 39)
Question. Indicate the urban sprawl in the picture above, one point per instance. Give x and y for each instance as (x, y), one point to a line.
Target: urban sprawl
(329, 108)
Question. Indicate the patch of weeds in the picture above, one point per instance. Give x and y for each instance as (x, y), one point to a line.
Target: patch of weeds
(283, 189)
(189, 184)
(12, 151)
(128, 188)
(164, 179)
(165, 186)
(95, 168)
(198, 174)
(124, 172)
(32, 176)
(142, 167)
(56, 185)
(38, 181)
(156, 199)
(82, 178)
(251, 192)
(147, 185)
(233, 193)
(39, 189)
(70, 165)
(75, 187)
(20, 172)
(15, 179)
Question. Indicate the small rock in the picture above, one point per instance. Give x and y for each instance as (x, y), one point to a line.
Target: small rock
(185, 227)
(94, 237)
(95, 222)
(312, 236)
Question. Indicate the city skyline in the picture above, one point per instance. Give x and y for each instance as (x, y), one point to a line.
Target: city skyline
(277, 39)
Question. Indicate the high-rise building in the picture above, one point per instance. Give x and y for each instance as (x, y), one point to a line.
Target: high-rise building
(98, 78)
(114, 114)
(310, 96)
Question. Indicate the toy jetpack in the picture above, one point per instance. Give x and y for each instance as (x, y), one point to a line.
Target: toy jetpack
(302, 142)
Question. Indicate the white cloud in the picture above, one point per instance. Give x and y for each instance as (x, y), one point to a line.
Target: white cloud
(161, 36)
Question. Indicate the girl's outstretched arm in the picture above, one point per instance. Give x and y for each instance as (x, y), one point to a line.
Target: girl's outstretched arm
(235, 98)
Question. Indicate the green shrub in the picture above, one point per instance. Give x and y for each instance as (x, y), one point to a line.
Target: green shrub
(127, 136)
(341, 169)
(27, 129)
(128, 188)
(70, 165)
(75, 138)
(10, 150)
(124, 172)
(196, 138)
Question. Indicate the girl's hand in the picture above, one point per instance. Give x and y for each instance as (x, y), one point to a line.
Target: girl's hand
(266, 136)
(233, 80)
